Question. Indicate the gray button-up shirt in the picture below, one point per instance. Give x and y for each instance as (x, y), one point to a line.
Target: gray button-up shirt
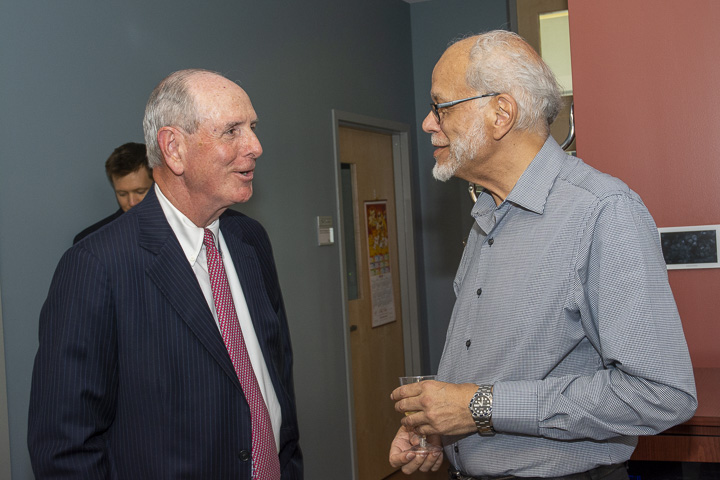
(563, 304)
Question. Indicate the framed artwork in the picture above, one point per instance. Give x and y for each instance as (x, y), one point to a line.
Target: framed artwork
(690, 247)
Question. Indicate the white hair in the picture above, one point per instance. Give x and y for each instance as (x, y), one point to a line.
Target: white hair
(170, 104)
(502, 62)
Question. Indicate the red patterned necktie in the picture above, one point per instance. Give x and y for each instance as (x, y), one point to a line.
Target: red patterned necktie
(266, 465)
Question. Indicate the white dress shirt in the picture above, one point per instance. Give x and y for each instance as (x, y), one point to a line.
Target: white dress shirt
(190, 237)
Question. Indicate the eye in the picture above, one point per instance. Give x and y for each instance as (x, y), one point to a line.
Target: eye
(232, 129)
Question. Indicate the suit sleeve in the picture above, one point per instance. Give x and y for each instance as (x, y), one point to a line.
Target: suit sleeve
(74, 382)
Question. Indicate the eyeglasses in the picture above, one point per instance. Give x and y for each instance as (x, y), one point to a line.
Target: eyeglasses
(437, 106)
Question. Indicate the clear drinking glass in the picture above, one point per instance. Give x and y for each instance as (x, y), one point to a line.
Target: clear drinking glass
(422, 447)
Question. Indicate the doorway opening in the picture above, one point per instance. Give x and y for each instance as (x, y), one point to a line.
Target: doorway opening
(380, 317)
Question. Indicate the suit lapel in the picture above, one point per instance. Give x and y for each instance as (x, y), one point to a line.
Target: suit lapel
(173, 276)
(247, 266)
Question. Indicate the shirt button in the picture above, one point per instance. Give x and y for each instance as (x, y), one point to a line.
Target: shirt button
(457, 449)
(467, 344)
(244, 455)
(479, 292)
(491, 241)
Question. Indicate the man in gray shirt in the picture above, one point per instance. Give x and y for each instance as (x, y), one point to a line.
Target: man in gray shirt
(565, 343)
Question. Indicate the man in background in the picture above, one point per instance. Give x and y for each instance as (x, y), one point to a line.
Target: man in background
(131, 178)
(565, 343)
(164, 345)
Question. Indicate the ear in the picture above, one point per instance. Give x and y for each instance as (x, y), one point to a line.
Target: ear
(172, 145)
(505, 115)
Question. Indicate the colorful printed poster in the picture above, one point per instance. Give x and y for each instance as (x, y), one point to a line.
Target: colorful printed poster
(381, 286)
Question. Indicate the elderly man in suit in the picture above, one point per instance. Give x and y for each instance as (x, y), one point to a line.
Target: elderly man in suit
(164, 346)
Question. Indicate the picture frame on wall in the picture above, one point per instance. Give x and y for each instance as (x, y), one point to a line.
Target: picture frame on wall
(690, 247)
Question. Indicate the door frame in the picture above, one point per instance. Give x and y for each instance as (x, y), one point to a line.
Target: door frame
(400, 133)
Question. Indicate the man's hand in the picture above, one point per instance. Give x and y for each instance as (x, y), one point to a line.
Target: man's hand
(440, 408)
(411, 461)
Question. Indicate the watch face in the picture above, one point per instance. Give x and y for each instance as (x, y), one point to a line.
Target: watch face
(481, 411)
(481, 405)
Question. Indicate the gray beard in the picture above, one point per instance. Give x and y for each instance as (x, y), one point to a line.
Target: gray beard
(460, 152)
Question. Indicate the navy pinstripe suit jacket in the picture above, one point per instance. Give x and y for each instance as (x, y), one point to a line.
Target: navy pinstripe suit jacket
(132, 379)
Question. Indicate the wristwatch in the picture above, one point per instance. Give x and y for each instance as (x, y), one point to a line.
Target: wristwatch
(481, 410)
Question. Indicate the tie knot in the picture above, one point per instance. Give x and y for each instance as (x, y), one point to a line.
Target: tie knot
(209, 239)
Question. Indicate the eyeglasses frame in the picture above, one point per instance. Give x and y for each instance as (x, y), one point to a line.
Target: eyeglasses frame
(437, 106)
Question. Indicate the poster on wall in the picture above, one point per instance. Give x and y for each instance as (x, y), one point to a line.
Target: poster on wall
(691, 247)
(381, 286)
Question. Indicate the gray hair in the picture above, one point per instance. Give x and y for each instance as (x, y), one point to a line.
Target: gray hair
(170, 104)
(501, 61)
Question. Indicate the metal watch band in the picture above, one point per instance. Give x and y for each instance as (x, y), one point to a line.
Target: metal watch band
(481, 410)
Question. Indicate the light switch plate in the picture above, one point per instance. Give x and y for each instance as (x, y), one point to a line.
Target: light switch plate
(325, 230)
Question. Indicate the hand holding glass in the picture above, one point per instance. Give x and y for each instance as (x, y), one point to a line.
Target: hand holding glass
(423, 447)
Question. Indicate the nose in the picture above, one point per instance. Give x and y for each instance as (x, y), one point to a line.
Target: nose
(254, 147)
(134, 199)
(430, 124)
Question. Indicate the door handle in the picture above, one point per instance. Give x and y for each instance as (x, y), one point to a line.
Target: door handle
(571, 132)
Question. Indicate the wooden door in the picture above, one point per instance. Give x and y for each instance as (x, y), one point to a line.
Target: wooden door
(377, 353)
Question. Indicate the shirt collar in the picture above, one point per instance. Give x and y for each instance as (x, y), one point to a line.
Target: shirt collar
(188, 234)
(533, 187)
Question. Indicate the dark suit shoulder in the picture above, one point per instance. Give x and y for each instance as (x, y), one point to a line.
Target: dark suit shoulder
(250, 230)
(117, 244)
(97, 226)
(238, 217)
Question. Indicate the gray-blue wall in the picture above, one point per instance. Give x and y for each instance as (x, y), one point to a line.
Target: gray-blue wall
(444, 207)
(74, 78)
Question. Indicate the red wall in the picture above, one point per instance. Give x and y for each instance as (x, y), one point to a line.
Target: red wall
(646, 79)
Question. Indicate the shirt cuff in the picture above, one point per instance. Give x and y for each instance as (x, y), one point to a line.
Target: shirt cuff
(515, 407)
